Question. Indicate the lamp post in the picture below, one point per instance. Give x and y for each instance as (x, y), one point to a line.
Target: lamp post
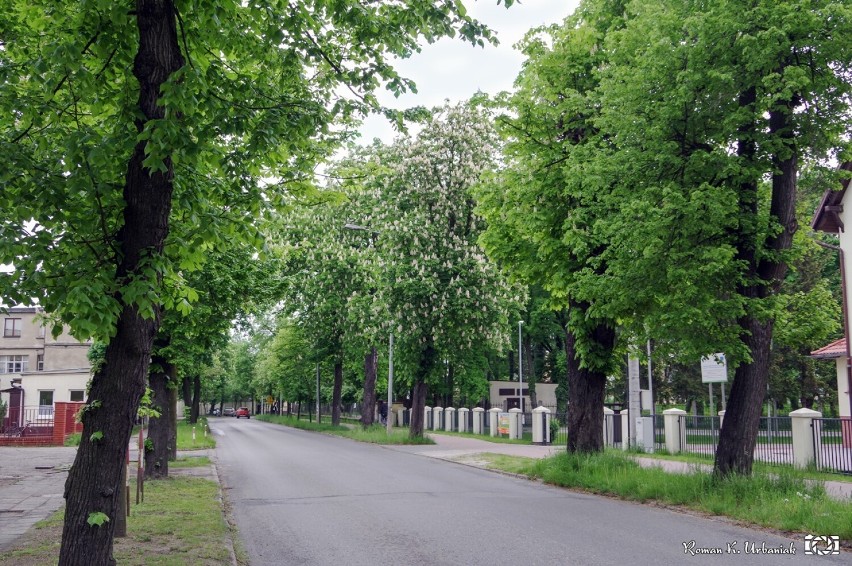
(520, 371)
(390, 383)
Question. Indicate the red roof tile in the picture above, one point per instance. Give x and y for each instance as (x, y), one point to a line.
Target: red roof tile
(836, 349)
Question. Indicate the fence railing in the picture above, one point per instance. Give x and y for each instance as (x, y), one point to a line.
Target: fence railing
(833, 445)
(774, 440)
(27, 422)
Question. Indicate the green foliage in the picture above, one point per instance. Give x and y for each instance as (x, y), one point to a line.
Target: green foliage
(96, 518)
(266, 92)
(146, 409)
(95, 436)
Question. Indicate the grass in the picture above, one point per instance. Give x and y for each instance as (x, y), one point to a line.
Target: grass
(190, 462)
(179, 523)
(527, 439)
(376, 434)
(202, 441)
(783, 500)
(184, 436)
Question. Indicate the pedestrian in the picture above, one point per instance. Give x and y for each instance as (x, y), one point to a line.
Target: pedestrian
(383, 412)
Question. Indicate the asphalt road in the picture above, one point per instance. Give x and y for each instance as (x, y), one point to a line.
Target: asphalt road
(305, 498)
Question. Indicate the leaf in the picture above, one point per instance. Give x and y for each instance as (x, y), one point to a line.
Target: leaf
(96, 518)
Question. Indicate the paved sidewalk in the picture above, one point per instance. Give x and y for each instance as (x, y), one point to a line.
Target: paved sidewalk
(32, 481)
(456, 448)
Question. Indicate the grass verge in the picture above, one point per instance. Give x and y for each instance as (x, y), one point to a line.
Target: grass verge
(782, 500)
(527, 439)
(201, 440)
(376, 434)
(179, 523)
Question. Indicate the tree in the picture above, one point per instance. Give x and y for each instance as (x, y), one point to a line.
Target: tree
(541, 209)
(708, 112)
(443, 296)
(116, 121)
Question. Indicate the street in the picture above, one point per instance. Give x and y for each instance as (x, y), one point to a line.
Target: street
(305, 498)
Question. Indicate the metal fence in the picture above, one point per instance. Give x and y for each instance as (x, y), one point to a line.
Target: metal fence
(833, 445)
(774, 440)
(28, 422)
(699, 434)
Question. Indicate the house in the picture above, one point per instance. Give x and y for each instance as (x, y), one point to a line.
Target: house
(38, 370)
(832, 217)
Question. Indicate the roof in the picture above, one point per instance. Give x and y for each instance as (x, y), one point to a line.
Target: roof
(836, 349)
(827, 217)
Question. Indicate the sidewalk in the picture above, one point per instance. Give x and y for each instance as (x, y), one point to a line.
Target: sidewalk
(463, 450)
(32, 482)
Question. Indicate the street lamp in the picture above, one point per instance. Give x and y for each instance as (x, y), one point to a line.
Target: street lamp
(520, 371)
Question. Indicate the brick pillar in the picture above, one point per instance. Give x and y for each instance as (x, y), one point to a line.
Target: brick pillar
(60, 410)
(64, 421)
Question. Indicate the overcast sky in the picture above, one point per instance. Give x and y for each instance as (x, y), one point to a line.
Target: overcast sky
(451, 69)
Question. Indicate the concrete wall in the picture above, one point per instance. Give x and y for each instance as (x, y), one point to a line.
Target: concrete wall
(545, 393)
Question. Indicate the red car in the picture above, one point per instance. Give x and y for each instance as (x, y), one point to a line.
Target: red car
(243, 412)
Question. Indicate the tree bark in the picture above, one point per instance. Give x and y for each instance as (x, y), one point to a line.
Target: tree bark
(186, 389)
(368, 408)
(158, 444)
(418, 400)
(586, 390)
(196, 399)
(336, 391)
(765, 272)
(94, 482)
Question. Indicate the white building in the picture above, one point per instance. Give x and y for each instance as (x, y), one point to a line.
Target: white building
(37, 370)
(832, 217)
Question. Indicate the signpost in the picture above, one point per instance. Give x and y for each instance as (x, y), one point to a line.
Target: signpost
(714, 369)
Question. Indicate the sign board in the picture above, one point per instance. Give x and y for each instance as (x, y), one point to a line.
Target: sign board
(714, 369)
(503, 423)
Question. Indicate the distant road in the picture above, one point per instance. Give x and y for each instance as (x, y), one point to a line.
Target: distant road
(305, 498)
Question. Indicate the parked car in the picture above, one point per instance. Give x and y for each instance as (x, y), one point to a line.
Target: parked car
(243, 412)
(229, 412)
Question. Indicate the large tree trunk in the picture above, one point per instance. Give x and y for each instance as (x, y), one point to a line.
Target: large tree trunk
(157, 447)
(186, 389)
(586, 390)
(368, 408)
(418, 401)
(196, 399)
(735, 453)
(94, 483)
(335, 393)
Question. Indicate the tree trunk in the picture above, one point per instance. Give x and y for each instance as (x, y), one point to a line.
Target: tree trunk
(157, 446)
(186, 388)
(196, 399)
(418, 401)
(586, 390)
(368, 409)
(765, 272)
(94, 482)
(335, 394)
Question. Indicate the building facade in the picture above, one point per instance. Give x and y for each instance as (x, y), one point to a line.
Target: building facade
(36, 369)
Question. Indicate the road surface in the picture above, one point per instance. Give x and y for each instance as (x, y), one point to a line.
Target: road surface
(304, 498)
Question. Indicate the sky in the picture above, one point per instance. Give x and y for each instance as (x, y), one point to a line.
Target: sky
(451, 69)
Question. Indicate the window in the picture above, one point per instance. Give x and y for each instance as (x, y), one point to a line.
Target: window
(77, 395)
(39, 362)
(13, 364)
(45, 404)
(12, 328)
